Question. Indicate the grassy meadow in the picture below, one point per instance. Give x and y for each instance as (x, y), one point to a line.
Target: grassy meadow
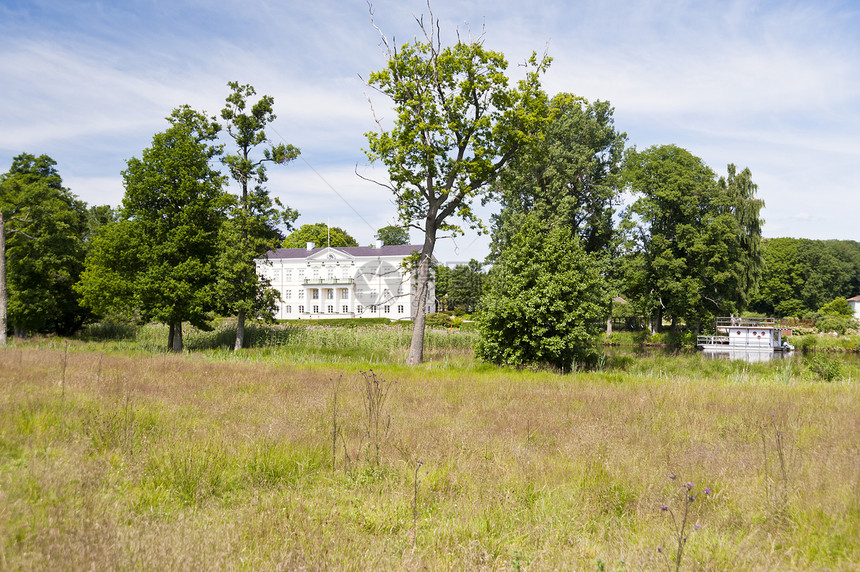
(319, 449)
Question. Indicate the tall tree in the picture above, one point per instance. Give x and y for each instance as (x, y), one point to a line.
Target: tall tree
(392, 235)
(457, 123)
(320, 234)
(697, 239)
(42, 229)
(463, 286)
(253, 228)
(570, 177)
(159, 259)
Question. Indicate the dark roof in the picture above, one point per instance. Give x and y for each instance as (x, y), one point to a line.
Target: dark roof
(394, 250)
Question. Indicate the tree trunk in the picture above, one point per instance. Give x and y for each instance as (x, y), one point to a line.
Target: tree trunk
(419, 317)
(177, 339)
(240, 330)
(609, 322)
(3, 294)
(170, 333)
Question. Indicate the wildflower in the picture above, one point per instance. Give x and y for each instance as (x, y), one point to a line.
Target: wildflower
(698, 526)
(672, 476)
(664, 508)
(692, 498)
(707, 491)
(660, 550)
(690, 486)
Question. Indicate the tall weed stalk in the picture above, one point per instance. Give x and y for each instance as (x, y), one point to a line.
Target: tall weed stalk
(377, 422)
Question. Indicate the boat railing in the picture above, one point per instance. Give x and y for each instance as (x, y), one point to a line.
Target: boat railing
(712, 340)
(733, 321)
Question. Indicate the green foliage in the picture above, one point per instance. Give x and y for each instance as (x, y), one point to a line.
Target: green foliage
(801, 275)
(569, 176)
(457, 123)
(99, 216)
(693, 240)
(158, 261)
(791, 308)
(440, 320)
(838, 324)
(45, 227)
(838, 307)
(252, 228)
(391, 235)
(825, 367)
(320, 234)
(460, 287)
(545, 299)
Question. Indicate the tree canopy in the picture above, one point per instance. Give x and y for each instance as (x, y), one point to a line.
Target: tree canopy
(461, 286)
(158, 260)
(457, 123)
(320, 234)
(694, 240)
(42, 231)
(392, 235)
(570, 176)
(252, 228)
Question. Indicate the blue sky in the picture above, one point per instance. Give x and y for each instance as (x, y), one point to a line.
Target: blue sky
(773, 86)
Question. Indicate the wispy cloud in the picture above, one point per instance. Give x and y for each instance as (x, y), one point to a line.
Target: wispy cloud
(770, 85)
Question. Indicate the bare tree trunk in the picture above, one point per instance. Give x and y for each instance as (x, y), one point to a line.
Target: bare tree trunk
(170, 333)
(3, 293)
(240, 330)
(177, 339)
(419, 316)
(609, 322)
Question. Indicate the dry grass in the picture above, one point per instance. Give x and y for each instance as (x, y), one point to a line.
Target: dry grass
(192, 462)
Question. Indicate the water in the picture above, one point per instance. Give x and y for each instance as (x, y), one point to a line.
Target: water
(851, 358)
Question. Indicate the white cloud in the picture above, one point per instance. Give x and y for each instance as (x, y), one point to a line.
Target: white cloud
(772, 86)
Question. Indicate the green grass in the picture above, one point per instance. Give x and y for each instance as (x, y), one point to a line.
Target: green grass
(135, 458)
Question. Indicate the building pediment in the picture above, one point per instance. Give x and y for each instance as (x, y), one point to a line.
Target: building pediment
(330, 254)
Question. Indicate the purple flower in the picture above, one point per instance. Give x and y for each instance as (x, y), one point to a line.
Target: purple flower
(690, 486)
(707, 491)
(692, 498)
(664, 508)
(660, 550)
(672, 476)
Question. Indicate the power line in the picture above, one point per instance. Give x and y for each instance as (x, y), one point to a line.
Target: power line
(329, 185)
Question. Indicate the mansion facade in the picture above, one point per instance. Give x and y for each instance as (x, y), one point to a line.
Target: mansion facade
(343, 282)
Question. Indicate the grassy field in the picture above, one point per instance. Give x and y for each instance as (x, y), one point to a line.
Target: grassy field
(114, 455)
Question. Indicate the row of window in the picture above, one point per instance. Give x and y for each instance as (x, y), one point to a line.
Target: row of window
(345, 309)
(344, 293)
(315, 273)
(315, 294)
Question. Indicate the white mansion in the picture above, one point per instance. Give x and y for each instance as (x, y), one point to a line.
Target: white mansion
(343, 282)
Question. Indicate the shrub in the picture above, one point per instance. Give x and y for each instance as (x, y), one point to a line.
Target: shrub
(825, 367)
(545, 301)
(837, 324)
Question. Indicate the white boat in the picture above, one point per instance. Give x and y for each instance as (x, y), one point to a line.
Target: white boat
(749, 335)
